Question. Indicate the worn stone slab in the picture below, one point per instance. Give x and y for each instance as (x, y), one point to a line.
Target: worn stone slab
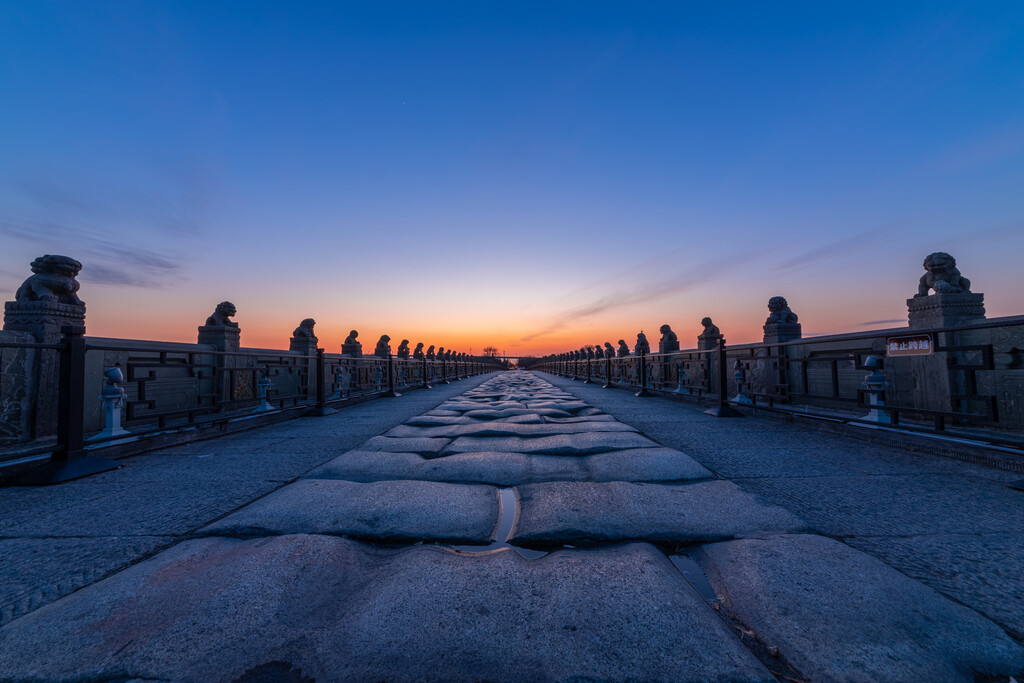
(836, 613)
(436, 421)
(495, 414)
(573, 512)
(423, 446)
(563, 444)
(510, 469)
(387, 511)
(472, 406)
(644, 464)
(494, 428)
(327, 608)
(573, 406)
(597, 417)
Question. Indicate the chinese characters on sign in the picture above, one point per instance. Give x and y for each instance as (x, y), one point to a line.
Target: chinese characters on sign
(912, 345)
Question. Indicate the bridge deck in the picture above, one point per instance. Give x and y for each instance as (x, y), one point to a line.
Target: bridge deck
(517, 526)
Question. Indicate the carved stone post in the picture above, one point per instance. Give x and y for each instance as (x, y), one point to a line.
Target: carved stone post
(708, 340)
(943, 299)
(224, 335)
(46, 302)
(781, 325)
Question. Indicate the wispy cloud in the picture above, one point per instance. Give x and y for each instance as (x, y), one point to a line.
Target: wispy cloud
(841, 249)
(882, 322)
(683, 280)
(116, 233)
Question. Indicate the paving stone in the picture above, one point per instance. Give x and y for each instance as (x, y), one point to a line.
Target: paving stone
(574, 512)
(422, 446)
(601, 417)
(510, 469)
(494, 428)
(388, 511)
(494, 413)
(215, 609)
(435, 421)
(571, 406)
(644, 464)
(564, 444)
(836, 613)
(980, 570)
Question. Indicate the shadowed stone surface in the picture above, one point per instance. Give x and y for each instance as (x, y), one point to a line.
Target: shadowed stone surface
(983, 571)
(509, 469)
(509, 429)
(422, 446)
(554, 513)
(563, 444)
(840, 614)
(388, 511)
(212, 609)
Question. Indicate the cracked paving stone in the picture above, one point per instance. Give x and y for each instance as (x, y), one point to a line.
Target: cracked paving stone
(836, 613)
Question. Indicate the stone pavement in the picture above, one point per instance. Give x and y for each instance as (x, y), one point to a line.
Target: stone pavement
(520, 531)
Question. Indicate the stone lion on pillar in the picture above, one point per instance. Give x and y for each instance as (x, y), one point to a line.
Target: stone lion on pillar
(942, 276)
(305, 330)
(222, 315)
(780, 312)
(53, 280)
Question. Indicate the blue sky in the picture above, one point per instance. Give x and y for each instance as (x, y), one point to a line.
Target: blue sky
(510, 171)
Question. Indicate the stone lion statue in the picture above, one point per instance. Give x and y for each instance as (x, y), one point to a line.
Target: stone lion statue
(598, 351)
(418, 351)
(941, 275)
(642, 345)
(430, 353)
(305, 329)
(623, 348)
(53, 280)
(609, 350)
(383, 349)
(403, 349)
(221, 315)
(710, 329)
(779, 312)
(351, 338)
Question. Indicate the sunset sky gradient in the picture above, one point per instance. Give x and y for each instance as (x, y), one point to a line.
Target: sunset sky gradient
(533, 176)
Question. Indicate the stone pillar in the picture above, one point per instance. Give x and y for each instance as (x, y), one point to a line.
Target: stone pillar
(708, 339)
(943, 299)
(223, 334)
(945, 310)
(952, 302)
(781, 325)
(669, 342)
(303, 340)
(45, 302)
(352, 346)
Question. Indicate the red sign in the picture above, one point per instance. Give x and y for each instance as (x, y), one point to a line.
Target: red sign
(910, 345)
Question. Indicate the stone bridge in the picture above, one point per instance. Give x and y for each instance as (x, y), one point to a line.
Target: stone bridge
(517, 526)
(513, 524)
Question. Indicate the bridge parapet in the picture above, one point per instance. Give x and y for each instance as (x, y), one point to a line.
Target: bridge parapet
(174, 391)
